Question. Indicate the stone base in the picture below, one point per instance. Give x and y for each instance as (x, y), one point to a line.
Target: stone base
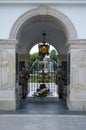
(7, 105)
(74, 105)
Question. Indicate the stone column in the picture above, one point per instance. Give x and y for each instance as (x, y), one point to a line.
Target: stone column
(7, 74)
(76, 99)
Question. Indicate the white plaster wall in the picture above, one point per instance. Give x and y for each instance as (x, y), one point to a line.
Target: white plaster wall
(8, 15)
(77, 16)
(10, 12)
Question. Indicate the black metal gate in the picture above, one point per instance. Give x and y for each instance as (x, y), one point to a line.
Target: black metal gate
(43, 73)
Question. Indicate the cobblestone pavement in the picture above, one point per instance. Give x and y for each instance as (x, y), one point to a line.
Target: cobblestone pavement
(42, 122)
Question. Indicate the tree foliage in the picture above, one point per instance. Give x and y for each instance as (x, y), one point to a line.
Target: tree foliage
(53, 55)
(33, 58)
(54, 58)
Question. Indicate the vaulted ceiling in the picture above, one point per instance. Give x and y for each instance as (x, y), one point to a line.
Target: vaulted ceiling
(31, 33)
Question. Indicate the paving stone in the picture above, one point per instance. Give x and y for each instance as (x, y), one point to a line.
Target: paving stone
(42, 122)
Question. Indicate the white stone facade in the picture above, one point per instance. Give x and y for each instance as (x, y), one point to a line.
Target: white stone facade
(11, 10)
(22, 22)
(77, 94)
(7, 74)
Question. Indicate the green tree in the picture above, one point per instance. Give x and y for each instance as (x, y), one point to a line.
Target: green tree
(53, 55)
(54, 58)
(33, 58)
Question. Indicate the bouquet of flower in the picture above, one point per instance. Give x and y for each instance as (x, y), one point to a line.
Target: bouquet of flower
(42, 91)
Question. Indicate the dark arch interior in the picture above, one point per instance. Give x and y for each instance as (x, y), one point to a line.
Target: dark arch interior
(31, 33)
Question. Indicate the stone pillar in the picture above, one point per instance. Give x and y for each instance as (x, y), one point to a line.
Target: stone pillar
(76, 99)
(7, 74)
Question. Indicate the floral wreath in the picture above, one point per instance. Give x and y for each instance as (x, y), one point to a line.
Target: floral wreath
(42, 91)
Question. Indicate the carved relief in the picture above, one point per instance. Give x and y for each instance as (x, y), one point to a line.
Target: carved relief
(79, 71)
(6, 70)
(78, 87)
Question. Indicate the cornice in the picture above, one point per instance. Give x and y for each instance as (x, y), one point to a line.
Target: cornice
(77, 41)
(6, 41)
(8, 44)
(76, 44)
(42, 1)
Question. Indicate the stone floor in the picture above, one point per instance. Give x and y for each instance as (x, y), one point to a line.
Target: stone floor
(41, 115)
(42, 122)
(44, 107)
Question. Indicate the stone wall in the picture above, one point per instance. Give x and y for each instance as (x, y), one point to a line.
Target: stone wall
(7, 75)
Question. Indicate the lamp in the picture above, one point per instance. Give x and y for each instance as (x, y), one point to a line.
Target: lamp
(43, 47)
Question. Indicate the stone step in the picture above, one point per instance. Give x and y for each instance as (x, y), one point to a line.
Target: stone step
(45, 99)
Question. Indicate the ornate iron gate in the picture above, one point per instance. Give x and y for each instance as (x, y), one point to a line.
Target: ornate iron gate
(43, 73)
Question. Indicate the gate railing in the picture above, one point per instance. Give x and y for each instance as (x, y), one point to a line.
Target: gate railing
(43, 72)
(32, 88)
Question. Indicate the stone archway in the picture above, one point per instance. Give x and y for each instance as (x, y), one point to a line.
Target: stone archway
(65, 22)
(67, 27)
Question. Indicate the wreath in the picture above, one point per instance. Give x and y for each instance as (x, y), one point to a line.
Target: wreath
(42, 91)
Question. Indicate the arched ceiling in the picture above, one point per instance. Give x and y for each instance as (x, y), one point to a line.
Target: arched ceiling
(31, 33)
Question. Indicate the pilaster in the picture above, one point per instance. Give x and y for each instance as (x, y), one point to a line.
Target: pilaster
(77, 96)
(7, 74)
